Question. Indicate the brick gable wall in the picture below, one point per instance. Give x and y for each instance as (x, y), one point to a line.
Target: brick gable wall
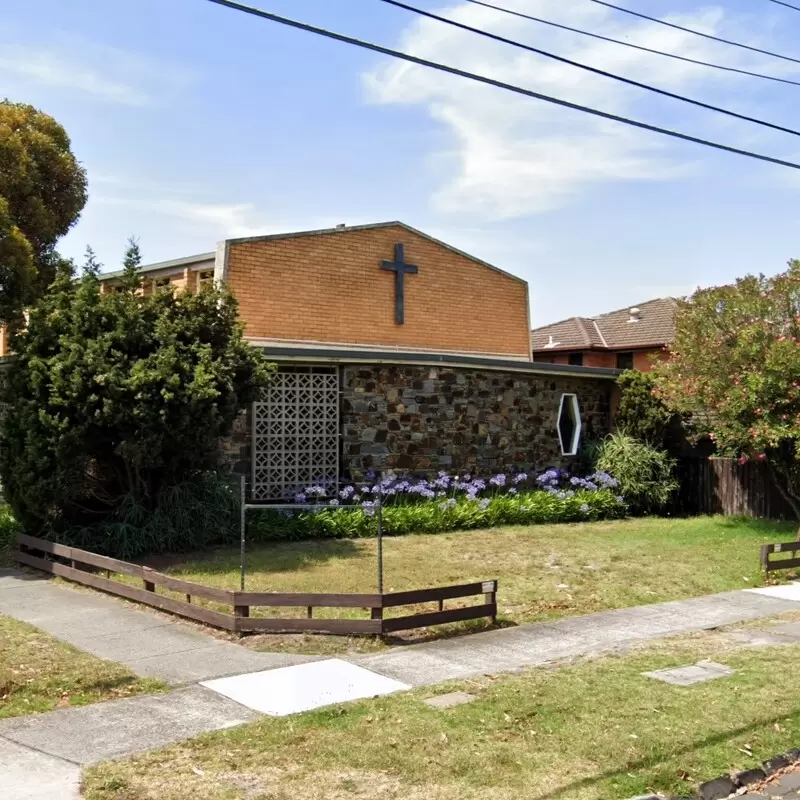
(329, 287)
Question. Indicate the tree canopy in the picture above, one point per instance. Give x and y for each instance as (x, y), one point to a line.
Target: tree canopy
(735, 368)
(641, 414)
(114, 397)
(42, 193)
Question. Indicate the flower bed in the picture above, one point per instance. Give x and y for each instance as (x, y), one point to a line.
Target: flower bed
(444, 504)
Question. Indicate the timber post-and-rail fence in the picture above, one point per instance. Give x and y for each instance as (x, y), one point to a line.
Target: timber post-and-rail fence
(84, 567)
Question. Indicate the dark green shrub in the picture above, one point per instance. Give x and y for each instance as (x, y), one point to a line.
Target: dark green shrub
(9, 528)
(192, 515)
(646, 474)
(116, 403)
(642, 414)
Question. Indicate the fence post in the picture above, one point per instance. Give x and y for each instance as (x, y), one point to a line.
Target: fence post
(242, 537)
(380, 545)
(490, 598)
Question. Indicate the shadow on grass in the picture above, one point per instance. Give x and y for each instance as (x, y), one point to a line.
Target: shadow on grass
(423, 635)
(781, 529)
(278, 557)
(649, 763)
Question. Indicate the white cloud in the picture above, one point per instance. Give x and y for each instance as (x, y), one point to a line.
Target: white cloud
(216, 220)
(52, 71)
(104, 73)
(235, 220)
(514, 156)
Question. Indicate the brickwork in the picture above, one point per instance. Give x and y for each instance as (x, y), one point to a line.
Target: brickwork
(422, 419)
(604, 358)
(330, 288)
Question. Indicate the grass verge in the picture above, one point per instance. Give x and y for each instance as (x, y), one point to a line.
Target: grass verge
(595, 730)
(39, 673)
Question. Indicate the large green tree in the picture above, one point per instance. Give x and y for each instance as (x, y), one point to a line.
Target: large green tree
(115, 397)
(735, 368)
(42, 193)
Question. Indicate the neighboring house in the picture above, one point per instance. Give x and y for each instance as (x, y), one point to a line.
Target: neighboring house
(394, 351)
(626, 339)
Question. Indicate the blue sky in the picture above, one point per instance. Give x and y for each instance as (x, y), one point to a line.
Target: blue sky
(198, 123)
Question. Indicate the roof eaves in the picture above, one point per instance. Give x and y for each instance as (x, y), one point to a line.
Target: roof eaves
(175, 262)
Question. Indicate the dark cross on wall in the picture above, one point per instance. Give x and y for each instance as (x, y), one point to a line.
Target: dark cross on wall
(400, 268)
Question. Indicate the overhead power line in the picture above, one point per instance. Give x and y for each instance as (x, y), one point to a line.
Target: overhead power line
(622, 42)
(376, 48)
(696, 33)
(594, 70)
(788, 5)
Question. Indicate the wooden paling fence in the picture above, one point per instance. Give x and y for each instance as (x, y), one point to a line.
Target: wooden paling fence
(86, 568)
(724, 486)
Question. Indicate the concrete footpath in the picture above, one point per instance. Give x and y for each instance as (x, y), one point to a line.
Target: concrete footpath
(150, 645)
(510, 649)
(41, 754)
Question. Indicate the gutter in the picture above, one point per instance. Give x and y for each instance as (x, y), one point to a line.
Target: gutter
(304, 355)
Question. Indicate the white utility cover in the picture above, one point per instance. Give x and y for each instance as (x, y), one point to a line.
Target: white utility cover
(290, 690)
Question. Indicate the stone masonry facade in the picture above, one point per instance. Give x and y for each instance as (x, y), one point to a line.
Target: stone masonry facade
(423, 419)
(415, 419)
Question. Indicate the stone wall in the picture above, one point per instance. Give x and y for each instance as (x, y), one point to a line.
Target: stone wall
(422, 419)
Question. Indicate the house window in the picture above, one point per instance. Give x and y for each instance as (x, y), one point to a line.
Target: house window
(576, 359)
(160, 285)
(569, 424)
(205, 277)
(624, 360)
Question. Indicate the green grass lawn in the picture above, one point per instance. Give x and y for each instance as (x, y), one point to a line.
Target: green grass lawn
(544, 571)
(40, 673)
(595, 730)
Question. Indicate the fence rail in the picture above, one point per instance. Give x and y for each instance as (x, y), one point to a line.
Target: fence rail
(789, 549)
(724, 486)
(84, 567)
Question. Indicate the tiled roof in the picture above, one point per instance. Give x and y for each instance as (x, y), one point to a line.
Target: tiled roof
(615, 330)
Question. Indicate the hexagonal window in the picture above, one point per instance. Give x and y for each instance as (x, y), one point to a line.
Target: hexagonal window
(569, 424)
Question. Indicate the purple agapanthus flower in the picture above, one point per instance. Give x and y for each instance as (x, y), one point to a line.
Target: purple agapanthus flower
(585, 508)
(369, 507)
(300, 498)
(604, 480)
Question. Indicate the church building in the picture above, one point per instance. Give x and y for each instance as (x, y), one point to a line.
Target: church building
(395, 352)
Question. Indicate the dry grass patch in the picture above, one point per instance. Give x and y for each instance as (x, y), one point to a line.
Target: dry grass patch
(544, 571)
(39, 673)
(595, 730)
